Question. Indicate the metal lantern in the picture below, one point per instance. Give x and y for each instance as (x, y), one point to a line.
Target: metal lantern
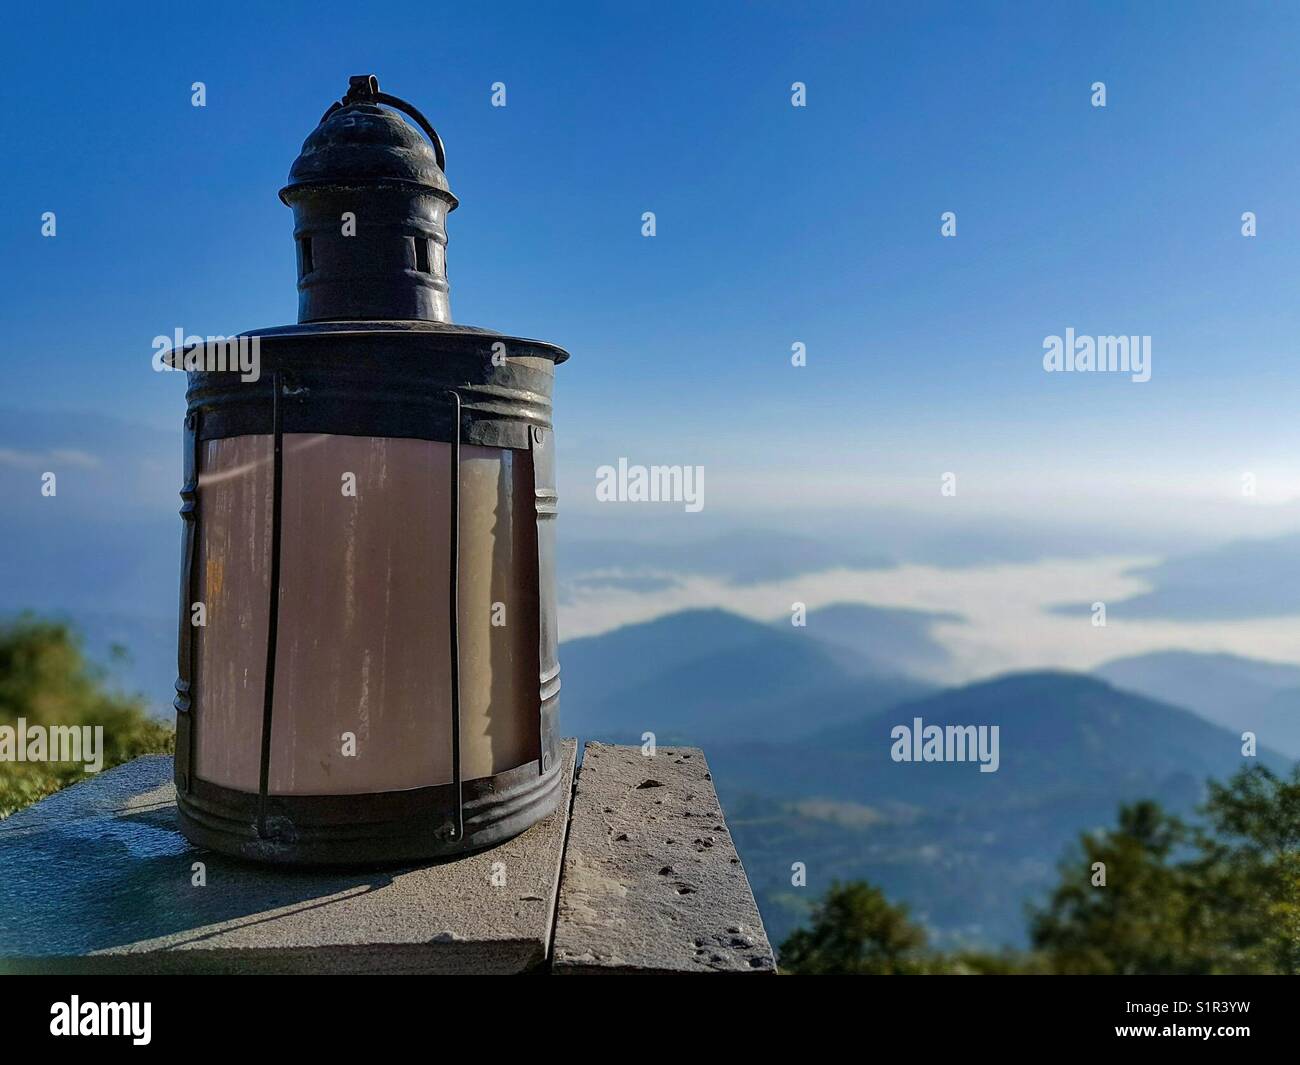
(368, 675)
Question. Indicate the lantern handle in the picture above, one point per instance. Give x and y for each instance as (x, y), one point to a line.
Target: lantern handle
(364, 88)
(453, 609)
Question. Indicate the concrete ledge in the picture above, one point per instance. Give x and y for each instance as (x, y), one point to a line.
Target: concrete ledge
(96, 878)
(652, 882)
(641, 877)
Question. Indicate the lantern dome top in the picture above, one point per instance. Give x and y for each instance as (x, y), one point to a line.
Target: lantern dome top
(359, 143)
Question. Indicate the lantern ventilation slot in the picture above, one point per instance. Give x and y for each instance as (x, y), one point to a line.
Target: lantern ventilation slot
(422, 255)
(305, 264)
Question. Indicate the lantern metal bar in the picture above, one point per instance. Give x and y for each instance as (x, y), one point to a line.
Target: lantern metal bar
(546, 506)
(453, 619)
(439, 152)
(184, 701)
(273, 615)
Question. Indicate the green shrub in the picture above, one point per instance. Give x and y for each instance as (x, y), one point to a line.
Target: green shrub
(46, 680)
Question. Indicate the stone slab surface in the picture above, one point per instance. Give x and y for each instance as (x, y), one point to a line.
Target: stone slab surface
(651, 880)
(97, 878)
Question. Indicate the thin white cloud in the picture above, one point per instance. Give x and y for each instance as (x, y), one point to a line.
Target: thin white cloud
(1007, 610)
(55, 459)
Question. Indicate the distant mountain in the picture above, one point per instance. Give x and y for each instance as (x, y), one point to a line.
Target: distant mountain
(708, 675)
(1061, 734)
(1241, 579)
(873, 640)
(1239, 693)
(966, 849)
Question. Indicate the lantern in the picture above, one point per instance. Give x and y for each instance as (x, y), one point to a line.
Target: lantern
(367, 648)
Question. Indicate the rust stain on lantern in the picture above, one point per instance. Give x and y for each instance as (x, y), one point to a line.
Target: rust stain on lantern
(370, 527)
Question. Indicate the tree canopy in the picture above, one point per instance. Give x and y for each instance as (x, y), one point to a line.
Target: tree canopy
(1152, 895)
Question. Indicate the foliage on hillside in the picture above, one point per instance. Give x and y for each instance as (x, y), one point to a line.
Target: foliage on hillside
(1218, 897)
(46, 680)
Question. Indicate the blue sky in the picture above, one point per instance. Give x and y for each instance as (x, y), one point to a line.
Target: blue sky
(775, 224)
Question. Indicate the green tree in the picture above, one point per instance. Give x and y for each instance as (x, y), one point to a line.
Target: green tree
(46, 680)
(1141, 919)
(1250, 865)
(1221, 897)
(856, 930)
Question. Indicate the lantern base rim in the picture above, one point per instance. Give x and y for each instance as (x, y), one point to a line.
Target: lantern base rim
(369, 828)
